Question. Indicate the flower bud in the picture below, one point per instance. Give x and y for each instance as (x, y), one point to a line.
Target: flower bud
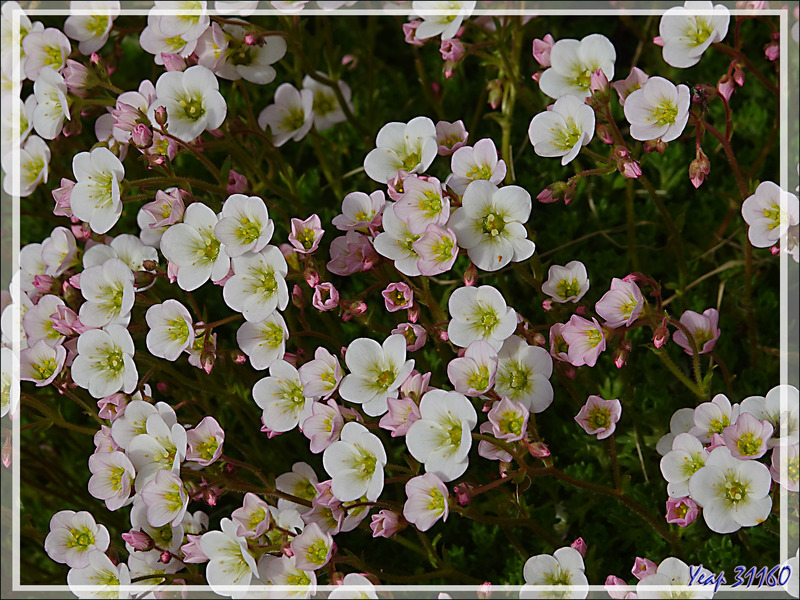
(699, 168)
(725, 87)
(6, 454)
(471, 275)
(772, 51)
(173, 62)
(604, 134)
(413, 313)
(161, 115)
(621, 354)
(76, 76)
(541, 50)
(297, 297)
(452, 50)
(463, 492)
(210, 497)
(580, 546)
(553, 192)
(655, 146)
(738, 74)
(141, 136)
(165, 557)
(386, 524)
(311, 277)
(661, 335)
(139, 540)
(495, 89)
(538, 449)
(359, 307)
(46, 284)
(94, 59)
(484, 590)
(237, 183)
(537, 339)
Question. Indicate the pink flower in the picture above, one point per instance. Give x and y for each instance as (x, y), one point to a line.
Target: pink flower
(612, 583)
(622, 304)
(415, 385)
(747, 438)
(326, 297)
(450, 136)
(410, 33)
(541, 50)
(352, 253)
(509, 420)
(237, 183)
(385, 524)
(703, 328)
(167, 209)
(67, 323)
(62, 198)
(204, 442)
(630, 84)
(398, 296)
(415, 335)
(324, 425)
(112, 407)
(452, 50)
(437, 248)
(192, 552)
(586, 340)
(643, 567)
(681, 511)
(599, 416)
(427, 501)
(559, 348)
(305, 235)
(403, 412)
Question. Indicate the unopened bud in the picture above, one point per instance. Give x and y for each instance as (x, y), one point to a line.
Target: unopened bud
(413, 313)
(772, 51)
(359, 307)
(311, 277)
(580, 546)
(537, 339)
(94, 59)
(297, 297)
(553, 192)
(442, 335)
(165, 557)
(655, 146)
(252, 38)
(621, 354)
(604, 134)
(141, 136)
(45, 284)
(471, 275)
(210, 497)
(538, 449)
(495, 89)
(139, 540)
(142, 279)
(699, 168)
(738, 74)
(725, 87)
(484, 590)
(239, 357)
(161, 115)
(463, 492)
(661, 334)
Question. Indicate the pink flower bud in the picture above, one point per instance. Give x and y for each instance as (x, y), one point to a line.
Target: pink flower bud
(580, 546)
(484, 590)
(604, 134)
(463, 493)
(452, 50)
(538, 449)
(725, 87)
(141, 136)
(45, 284)
(471, 275)
(442, 335)
(598, 82)
(251, 38)
(139, 540)
(359, 307)
(297, 297)
(94, 59)
(410, 33)
(658, 41)
(237, 183)
(655, 146)
(495, 89)
(541, 50)
(173, 62)
(621, 354)
(643, 567)
(165, 557)
(386, 524)
(161, 115)
(738, 74)
(326, 297)
(772, 51)
(630, 169)
(699, 168)
(210, 497)
(76, 76)
(661, 334)
(162, 387)
(552, 193)
(6, 453)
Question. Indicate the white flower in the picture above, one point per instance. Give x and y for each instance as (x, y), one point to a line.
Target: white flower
(353, 586)
(572, 64)
(157, 38)
(108, 290)
(442, 437)
(224, 50)
(327, 109)
(74, 537)
(90, 22)
(680, 422)
(34, 158)
(480, 313)
(312, 548)
(376, 372)
(564, 568)
(281, 397)
(192, 100)
(186, 18)
(473, 374)
(422, 204)
(322, 375)
(165, 498)
(677, 574)
(47, 48)
(470, 164)
(257, 286)
(771, 409)
(14, 37)
(171, 329)
(52, 106)
(132, 423)
(163, 446)
(244, 225)
(195, 249)
(9, 382)
(568, 283)
(733, 493)
(523, 374)
(688, 30)
(490, 225)
(301, 481)
(128, 248)
(283, 572)
(95, 198)
(41, 363)
(101, 578)
(264, 342)
(441, 17)
(104, 364)
(686, 458)
(713, 417)
(658, 110)
(355, 464)
(359, 210)
(769, 212)
(59, 251)
(408, 146)
(38, 324)
(397, 242)
(14, 139)
(622, 304)
(563, 130)
(427, 501)
(231, 563)
(112, 478)
(168, 537)
(291, 116)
